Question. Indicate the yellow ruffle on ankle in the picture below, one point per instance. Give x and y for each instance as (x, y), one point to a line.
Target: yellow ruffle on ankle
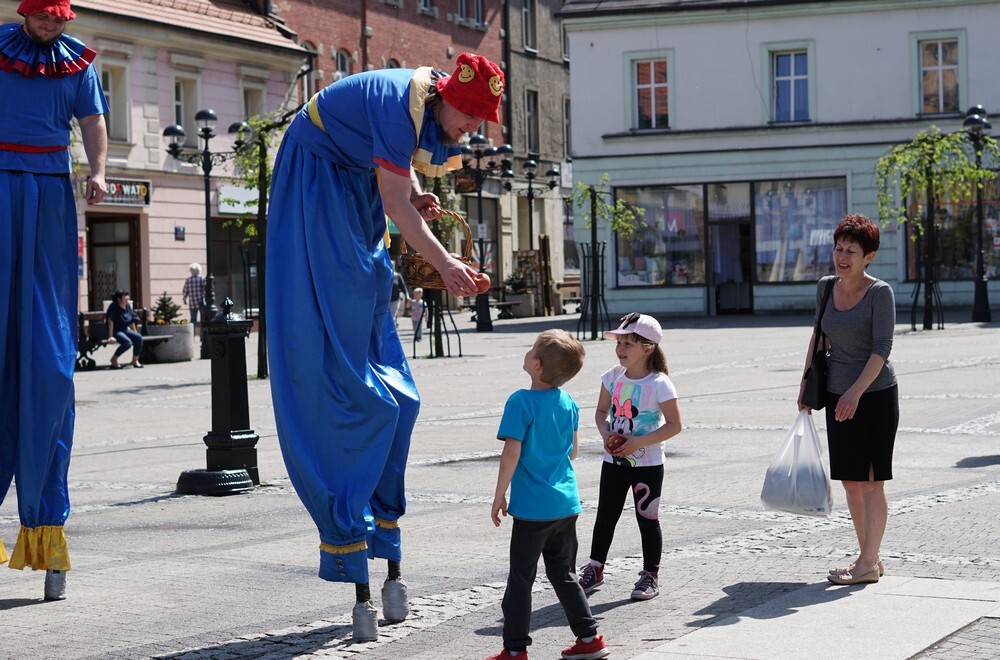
(3, 553)
(41, 548)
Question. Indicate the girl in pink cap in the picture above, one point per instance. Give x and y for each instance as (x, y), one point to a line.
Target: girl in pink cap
(636, 411)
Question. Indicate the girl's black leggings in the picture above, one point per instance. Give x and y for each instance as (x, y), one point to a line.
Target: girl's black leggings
(646, 483)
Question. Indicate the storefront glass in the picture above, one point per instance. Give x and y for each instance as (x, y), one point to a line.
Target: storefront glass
(668, 248)
(795, 220)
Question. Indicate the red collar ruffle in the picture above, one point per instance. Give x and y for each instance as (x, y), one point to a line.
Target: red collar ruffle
(18, 53)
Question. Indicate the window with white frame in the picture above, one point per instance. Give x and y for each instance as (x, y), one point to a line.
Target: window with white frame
(939, 75)
(790, 85)
(531, 121)
(186, 107)
(344, 61)
(115, 84)
(254, 97)
(565, 44)
(424, 5)
(650, 93)
(308, 81)
(567, 134)
(471, 11)
(529, 31)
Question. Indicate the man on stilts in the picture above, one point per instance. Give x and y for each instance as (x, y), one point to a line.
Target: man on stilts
(46, 79)
(344, 399)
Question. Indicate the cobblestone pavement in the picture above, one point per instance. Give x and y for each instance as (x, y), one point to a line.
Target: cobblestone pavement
(161, 575)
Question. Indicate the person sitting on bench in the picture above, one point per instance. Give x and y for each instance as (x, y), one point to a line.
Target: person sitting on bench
(123, 328)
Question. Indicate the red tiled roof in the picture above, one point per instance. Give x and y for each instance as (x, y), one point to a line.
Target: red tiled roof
(229, 18)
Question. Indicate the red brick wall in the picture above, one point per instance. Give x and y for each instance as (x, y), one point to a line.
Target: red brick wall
(399, 33)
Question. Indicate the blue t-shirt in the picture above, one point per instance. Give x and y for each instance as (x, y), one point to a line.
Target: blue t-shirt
(37, 111)
(544, 483)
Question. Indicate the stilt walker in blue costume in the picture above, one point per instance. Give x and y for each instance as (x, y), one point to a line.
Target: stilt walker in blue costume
(45, 81)
(344, 399)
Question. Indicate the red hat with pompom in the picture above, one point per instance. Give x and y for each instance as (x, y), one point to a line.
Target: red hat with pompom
(475, 88)
(57, 8)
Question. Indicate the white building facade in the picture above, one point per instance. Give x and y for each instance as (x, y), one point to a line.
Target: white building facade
(747, 130)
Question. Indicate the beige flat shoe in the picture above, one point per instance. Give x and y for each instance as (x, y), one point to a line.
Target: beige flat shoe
(849, 578)
(848, 569)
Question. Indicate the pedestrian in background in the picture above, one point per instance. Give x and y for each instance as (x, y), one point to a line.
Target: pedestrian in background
(398, 289)
(539, 432)
(417, 307)
(862, 399)
(46, 80)
(636, 411)
(123, 329)
(194, 293)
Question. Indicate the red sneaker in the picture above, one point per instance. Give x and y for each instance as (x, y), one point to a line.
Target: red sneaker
(582, 650)
(505, 655)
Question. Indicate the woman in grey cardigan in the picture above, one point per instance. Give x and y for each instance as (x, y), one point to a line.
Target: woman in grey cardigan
(862, 400)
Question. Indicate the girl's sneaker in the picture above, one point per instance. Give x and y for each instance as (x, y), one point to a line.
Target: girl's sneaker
(591, 577)
(595, 648)
(646, 587)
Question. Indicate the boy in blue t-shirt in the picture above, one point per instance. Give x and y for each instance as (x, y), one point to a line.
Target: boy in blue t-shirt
(539, 431)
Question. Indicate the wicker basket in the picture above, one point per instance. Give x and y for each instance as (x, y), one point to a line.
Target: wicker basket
(418, 272)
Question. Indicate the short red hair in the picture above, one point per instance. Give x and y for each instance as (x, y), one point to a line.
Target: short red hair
(858, 228)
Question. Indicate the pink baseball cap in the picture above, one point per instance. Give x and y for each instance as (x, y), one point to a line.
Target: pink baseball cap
(645, 326)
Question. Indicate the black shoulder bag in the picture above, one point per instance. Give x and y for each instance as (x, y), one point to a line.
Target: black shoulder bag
(815, 390)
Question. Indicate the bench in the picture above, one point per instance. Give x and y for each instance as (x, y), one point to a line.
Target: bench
(92, 334)
(503, 307)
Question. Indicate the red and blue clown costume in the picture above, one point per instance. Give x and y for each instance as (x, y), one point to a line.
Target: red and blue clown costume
(41, 89)
(344, 399)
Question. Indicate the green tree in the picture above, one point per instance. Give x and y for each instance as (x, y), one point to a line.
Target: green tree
(622, 218)
(166, 310)
(930, 167)
(252, 166)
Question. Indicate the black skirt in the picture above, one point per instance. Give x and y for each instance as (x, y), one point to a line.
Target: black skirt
(863, 443)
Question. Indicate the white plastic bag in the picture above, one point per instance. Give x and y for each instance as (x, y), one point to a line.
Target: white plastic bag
(796, 481)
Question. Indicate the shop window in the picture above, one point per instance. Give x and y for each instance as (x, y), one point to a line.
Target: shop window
(668, 247)
(956, 244)
(795, 220)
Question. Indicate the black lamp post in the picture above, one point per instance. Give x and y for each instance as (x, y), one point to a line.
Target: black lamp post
(977, 126)
(174, 137)
(530, 168)
(478, 149)
(231, 453)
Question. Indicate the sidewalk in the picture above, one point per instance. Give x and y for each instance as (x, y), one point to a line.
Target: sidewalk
(161, 575)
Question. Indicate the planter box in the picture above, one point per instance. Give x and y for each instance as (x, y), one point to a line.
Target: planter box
(526, 306)
(180, 346)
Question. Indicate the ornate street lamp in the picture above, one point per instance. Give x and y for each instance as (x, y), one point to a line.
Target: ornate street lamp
(174, 137)
(530, 168)
(473, 154)
(977, 126)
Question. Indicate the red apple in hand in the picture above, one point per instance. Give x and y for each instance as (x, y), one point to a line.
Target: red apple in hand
(482, 281)
(616, 441)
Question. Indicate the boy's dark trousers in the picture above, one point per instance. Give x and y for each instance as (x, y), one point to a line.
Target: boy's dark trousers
(554, 541)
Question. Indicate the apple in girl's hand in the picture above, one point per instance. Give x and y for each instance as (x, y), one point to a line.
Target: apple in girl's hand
(616, 441)
(482, 281)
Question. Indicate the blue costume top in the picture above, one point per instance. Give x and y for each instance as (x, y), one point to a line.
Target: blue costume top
(544, 483)
(377, 119)
(38, 100)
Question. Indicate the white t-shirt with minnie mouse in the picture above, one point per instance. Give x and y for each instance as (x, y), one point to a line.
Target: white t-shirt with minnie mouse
(635, 410)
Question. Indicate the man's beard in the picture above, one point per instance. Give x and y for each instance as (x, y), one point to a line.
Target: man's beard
(38, 39)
